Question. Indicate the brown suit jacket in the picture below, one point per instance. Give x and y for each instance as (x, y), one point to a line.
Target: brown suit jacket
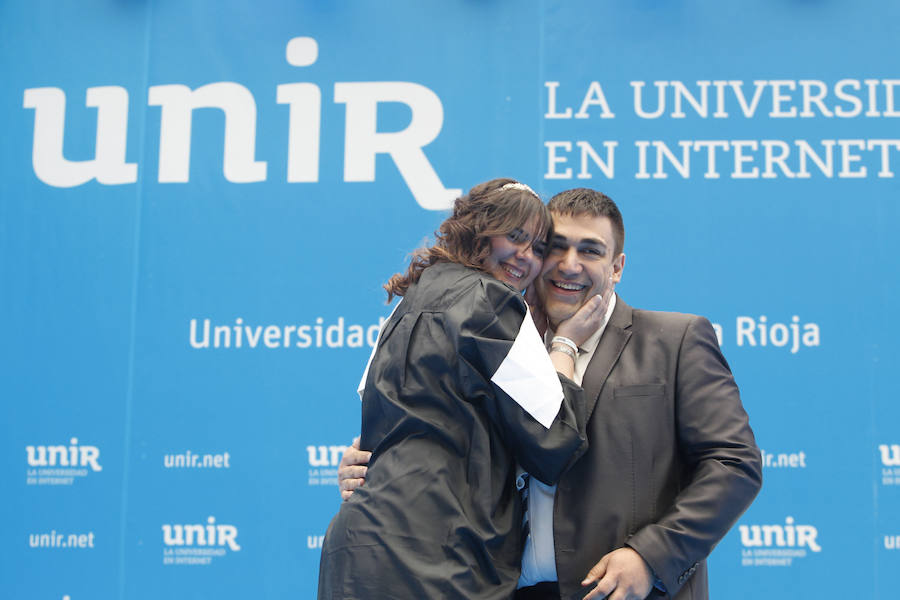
(672, 462)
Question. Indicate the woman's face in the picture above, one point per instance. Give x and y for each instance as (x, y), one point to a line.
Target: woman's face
(513, 259)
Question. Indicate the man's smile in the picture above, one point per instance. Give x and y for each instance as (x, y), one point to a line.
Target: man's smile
(567, 286)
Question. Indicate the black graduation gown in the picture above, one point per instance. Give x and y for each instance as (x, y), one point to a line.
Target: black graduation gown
(439, 515)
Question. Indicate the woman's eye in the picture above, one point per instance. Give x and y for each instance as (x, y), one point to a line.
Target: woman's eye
(516, 236)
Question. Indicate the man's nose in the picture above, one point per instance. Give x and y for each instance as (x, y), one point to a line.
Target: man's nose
(569, 264)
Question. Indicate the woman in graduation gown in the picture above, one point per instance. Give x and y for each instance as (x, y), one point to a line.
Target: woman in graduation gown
(458, 391)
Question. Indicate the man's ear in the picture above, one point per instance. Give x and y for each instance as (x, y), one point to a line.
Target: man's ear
(618, 266)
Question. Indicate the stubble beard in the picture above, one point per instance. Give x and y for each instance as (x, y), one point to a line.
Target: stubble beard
(560, 313)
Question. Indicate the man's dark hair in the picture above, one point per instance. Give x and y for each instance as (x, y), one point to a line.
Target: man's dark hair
(584, 201)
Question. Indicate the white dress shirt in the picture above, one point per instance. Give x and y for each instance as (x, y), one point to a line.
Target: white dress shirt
(539, 557)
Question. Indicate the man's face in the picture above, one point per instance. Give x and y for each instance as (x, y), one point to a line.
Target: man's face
(578, 265)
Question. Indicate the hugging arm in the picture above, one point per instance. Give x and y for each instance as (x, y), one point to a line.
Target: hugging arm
(352, 470)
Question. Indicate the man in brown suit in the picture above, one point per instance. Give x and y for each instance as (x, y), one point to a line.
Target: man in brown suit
(671, 463)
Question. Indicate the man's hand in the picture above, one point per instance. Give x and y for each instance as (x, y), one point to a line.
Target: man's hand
(352, 470)
(620, 575)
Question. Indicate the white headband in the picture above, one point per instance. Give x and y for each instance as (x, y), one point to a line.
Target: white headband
(519, 186)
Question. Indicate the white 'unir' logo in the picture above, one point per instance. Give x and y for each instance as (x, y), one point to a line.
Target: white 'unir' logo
(71, 456)
(787, 535)
(210, 534)
(890, 455)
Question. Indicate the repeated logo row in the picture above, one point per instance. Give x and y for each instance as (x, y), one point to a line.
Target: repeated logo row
(63, 465)
(762, 545)
(183, 544)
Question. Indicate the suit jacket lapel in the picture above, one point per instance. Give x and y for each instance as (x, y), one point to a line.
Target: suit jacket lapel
(612, 342)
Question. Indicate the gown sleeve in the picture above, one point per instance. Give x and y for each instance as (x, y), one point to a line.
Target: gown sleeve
(538, 412)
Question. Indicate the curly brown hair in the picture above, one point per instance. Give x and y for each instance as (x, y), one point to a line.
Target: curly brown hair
(489, 209)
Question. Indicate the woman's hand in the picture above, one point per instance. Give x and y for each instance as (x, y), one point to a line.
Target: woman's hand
(584, 323)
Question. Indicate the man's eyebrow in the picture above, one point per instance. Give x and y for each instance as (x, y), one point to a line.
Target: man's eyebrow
(588, 240)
